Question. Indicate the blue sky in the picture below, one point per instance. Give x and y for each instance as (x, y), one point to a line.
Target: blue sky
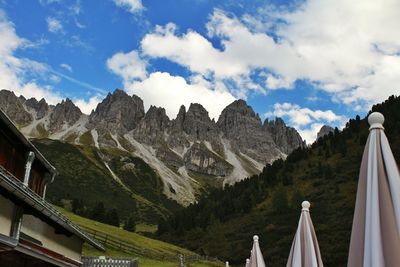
(312, 62)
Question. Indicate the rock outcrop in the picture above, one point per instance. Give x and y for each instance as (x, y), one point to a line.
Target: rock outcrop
(117, 113)
(198, 124)
(201, 160)
(325, 130)
(14, 108)
(181, 150)
(152, 127)
(286, 138)
(40, 108)
(242, 126)
(64, 114)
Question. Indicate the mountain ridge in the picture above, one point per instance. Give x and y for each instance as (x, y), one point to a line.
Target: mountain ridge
(180, 149)
(326, 173)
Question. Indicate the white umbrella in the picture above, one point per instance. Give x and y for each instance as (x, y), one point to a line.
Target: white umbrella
(256, 257)
(247, 263)
(305, 250)
(375, 239)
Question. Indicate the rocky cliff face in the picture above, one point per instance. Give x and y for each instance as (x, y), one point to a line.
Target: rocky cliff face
(198, 124)
(117, 113)
(13, 107)
(240, 124)
(180, 150)
(201, 160)
(151, 128)
(40, 108)
(64, 114)
(286, 138)
(325, 130)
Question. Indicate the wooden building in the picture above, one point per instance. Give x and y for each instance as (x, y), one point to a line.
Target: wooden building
(32, 232)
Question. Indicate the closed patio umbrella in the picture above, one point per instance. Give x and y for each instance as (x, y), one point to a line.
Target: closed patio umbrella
(256, 257)
(247, 263)
(375, 239)
(305, 250)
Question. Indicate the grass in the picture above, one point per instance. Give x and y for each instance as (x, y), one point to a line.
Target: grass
(86, 139)
(145, 228)
(207, 180)
(41, 130)
(155, 246)
(140, 192)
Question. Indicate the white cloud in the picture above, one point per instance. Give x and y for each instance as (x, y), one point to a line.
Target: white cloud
(54, 25)
(310, 133)
(66, 66)
(86, 106)
(76, 8)
(128, 65)
(13, 70)
(308, 122)
(54, 78)
(79, 25)
(133, 6)
(48, 2)
(243, 51)
(165, 90)
(349, 49)
(191, 50)
(312, 98)
(274, 82)
(78, 82)
(170, 92)
(77, 41)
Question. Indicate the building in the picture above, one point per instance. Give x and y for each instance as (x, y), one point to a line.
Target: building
(32, 232)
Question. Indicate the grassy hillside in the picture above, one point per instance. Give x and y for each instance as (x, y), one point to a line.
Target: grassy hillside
(136, 189)
(150, 246)
(223, 222)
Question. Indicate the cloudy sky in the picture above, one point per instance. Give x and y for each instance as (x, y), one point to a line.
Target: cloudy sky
(312, 62)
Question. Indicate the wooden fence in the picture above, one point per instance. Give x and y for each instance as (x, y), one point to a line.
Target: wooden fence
(109, 262)
(113, 242)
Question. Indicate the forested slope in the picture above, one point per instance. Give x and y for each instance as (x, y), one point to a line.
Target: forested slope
(222, 223)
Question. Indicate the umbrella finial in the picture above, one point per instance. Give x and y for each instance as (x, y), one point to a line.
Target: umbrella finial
(255, 238)
(306, 205)
(375, 120)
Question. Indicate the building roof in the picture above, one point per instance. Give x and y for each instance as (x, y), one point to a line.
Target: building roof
(26, 195)
(24, 141)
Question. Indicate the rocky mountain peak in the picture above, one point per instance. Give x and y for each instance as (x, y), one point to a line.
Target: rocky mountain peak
(197, 122)
(237, 146)
(153, 125)
(242, 126)
(198, 113)
(286, 138)
(118, 112)
(325, 130)
(14, 108)
(177, 123)
(41, 107)
(238, 117)
(240, 107)
(64, 113)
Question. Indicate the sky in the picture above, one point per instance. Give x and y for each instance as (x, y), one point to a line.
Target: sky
(311, 62)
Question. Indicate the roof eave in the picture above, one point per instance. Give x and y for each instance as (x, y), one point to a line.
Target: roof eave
(19, 190)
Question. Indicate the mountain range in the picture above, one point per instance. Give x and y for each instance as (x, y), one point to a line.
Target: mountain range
(223, 222)
(180, 150)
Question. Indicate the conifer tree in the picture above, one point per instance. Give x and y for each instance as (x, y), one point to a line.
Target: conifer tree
(130, 224)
